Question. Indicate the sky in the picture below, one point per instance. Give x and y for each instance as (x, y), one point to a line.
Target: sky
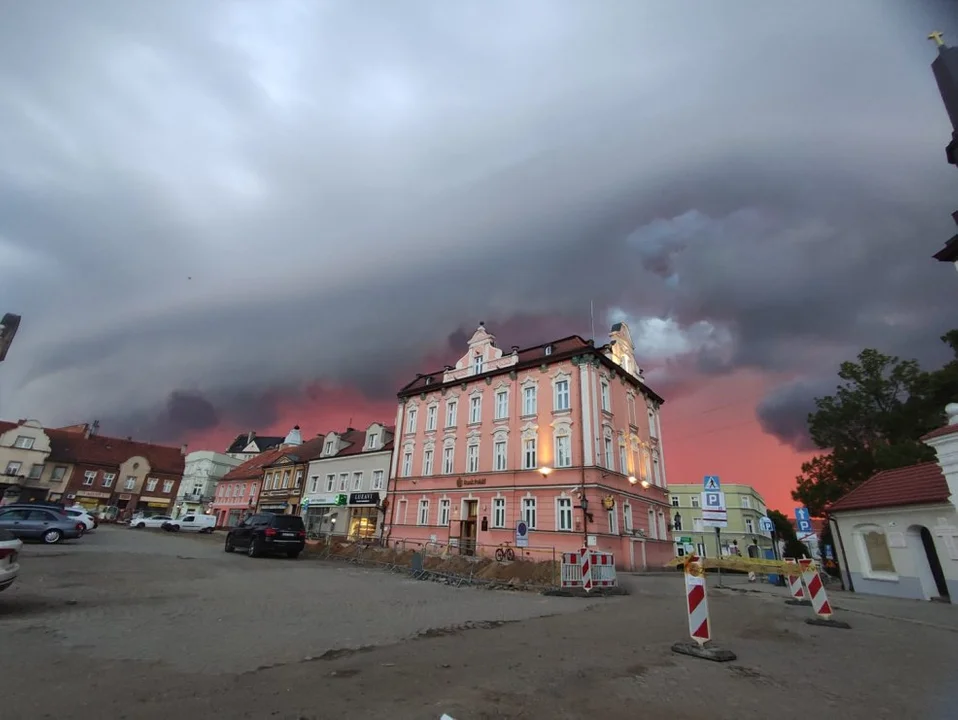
(218, 216)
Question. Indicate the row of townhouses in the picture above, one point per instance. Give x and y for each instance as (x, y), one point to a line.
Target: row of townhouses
(77, 466)
(562, 438)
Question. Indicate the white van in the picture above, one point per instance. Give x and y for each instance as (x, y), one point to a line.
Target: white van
(192, 522)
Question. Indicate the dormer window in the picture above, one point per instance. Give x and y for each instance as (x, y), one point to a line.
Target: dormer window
(428, 381)
(328, 448)
(477, 362)
(372, 440)
(548, 349)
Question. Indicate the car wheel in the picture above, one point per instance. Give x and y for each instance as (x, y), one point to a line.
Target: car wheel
(229, 544)
(141, 525)
(293, 554)
(253, 549)
(175, 528)
(52, 537)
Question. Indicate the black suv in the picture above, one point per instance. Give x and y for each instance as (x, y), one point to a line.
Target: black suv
(268, 534)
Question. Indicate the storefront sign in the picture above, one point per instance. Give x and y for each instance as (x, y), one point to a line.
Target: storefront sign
(364, 498)
(273, 506)
(93, 494)
(465, 482)
(151, 500)
(324, 500)
(157, 504)
(126, 496)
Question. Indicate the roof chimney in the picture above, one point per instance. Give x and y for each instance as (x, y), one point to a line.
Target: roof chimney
(183, 449)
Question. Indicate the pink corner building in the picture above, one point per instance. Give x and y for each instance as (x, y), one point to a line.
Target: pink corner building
(563, 437)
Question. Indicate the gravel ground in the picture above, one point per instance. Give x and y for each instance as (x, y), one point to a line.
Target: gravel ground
(133, 624)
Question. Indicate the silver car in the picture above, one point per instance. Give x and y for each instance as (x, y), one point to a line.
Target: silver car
(38, 523)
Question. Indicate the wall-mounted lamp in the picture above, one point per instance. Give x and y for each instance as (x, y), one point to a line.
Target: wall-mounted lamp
(632, 479)
(545, 471)
(646, 484)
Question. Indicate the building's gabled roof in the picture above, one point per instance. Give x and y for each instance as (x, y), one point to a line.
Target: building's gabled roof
(73, 447)
(940, 432)
(6, 425)
(559, 350)
(921, 484)
(253, 468)
(309, 450)
(263, 442)
(357, 441)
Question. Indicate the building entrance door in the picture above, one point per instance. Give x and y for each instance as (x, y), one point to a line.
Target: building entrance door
(936, 571)
(467, 543)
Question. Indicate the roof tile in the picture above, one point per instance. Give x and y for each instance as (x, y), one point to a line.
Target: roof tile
(73, 447)
(253, 468)
(921, 484)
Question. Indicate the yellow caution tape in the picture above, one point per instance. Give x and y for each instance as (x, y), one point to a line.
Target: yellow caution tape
(765, 567)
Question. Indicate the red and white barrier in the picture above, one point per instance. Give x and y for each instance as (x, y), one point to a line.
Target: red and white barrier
(794, 580)
(816, 589)
(588, 569)
(699, 626)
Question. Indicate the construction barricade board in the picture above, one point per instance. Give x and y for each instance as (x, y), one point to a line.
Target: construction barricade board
(588, 569)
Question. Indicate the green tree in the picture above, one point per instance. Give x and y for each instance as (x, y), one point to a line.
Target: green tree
(874, 422)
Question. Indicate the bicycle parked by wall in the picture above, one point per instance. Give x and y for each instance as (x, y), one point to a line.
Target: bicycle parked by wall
(504, 552)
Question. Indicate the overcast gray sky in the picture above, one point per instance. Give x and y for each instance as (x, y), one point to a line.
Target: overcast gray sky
(233, 198)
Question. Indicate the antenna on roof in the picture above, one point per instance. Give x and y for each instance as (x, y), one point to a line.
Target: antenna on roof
(592, 317)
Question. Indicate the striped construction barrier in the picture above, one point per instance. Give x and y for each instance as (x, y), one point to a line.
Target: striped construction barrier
(793, 575)
(700, 625)
(588, 569)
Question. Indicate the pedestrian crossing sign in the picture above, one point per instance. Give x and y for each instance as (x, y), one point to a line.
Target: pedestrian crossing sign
(711, 482)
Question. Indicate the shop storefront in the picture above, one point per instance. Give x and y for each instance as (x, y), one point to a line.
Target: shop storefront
(154, 505)
(272, 507)
(92, 501)
(321, 514)
(363, 515)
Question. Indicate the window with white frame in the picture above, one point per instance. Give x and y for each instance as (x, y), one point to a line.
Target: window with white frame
(431, 412)
(403, 511)
(448, 460)
(529, 454)
(472, 458)
(498, 512)
(330, 482)
(604, 395)
(663, 530)
(749, 526)
(477, 365)
(656, 470)
(357, 481)
(285, 479)
(168, 486)
(130, 482)
(23, 442)
(314, 484)
(499, 455)
(423, 518)
(529, 400)
(451, 406)
(562, 400)
(630, 406)
(151, 484)
(88, 477)
(407, 463)
(627, 517)
(372, 439)
(411, 415)
(564, 514)
(609, 454)
(529, 512)
(563, 449)
(613, 522)
(108, 479)
(444, 512)
(378, 476)
(874, 546)
(647, 463)
(653, 530)
(268, 481)
(502, 404)
(653, 424)
(475, 409)
(675, 500)
(344, 481)
(427, 461)
(299, 478)
(623, 460)
(328, 447)
(746, 502)
(695, 501)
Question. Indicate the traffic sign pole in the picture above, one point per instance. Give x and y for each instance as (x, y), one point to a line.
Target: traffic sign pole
(718, 550)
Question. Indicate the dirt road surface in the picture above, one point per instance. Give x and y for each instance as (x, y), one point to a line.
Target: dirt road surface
(133, 624)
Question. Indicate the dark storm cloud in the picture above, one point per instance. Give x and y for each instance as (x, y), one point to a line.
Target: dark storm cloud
(241, 199)
(784, 412)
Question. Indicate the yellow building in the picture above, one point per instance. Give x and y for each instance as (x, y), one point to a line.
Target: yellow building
(745, 509)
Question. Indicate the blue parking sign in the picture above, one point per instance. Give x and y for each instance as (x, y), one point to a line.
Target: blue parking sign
(802, 520)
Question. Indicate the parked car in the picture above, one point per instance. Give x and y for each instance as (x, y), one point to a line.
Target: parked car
(10, 546)
(153, 521)
(192, 522)
(268, 534)
(81, 515)
(40, 523)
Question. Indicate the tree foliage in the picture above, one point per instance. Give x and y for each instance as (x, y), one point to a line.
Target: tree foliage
(874, 422)
(786, 532)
